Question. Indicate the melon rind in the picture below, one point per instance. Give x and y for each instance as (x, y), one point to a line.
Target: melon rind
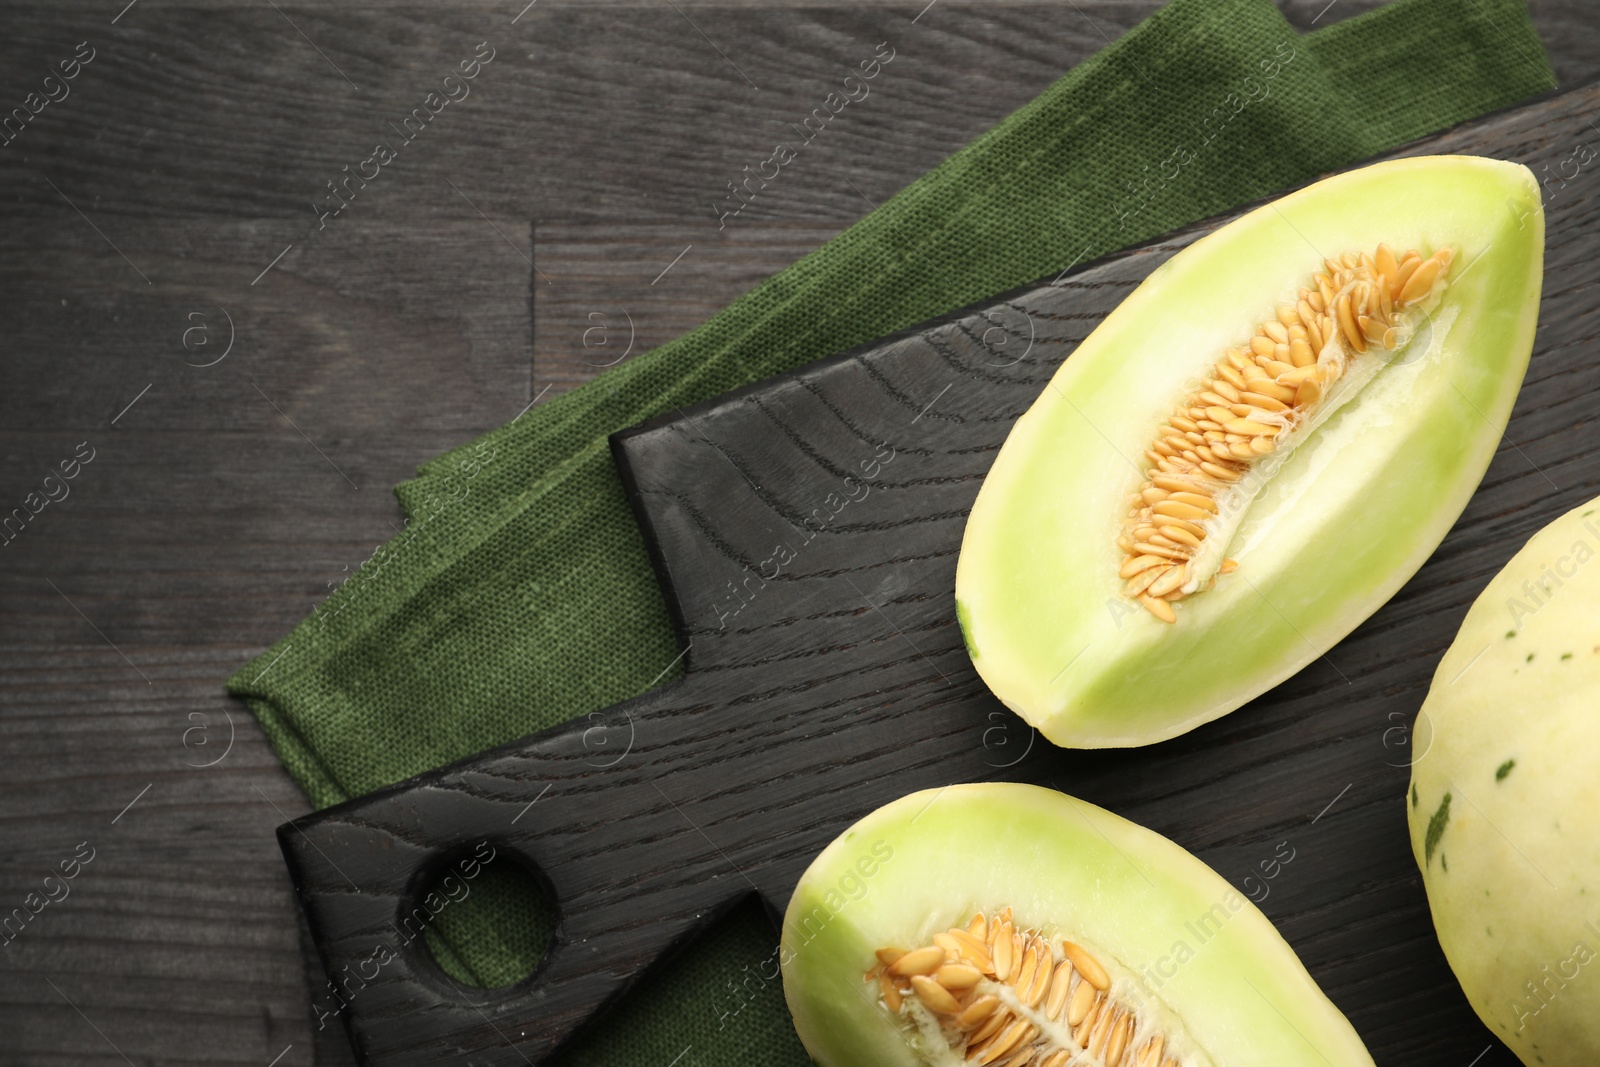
(929, 860)
(1511, 731)
(1348, 518)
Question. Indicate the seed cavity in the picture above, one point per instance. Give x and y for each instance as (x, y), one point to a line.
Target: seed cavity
(1221, 445)
(992, 993)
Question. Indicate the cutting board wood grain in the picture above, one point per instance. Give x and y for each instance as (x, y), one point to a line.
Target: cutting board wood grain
(805, 531)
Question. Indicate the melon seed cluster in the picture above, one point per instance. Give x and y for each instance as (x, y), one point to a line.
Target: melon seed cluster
(1008, 997)
(1255, 395)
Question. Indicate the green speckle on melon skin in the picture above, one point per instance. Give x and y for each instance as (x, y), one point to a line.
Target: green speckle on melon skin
(1436, 825)
(1524, 834)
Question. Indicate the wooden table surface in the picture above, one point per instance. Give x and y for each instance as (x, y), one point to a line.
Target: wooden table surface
(168, 205)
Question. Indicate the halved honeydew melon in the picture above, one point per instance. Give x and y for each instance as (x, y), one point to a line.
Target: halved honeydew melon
(1359, 488)
(1014, 925)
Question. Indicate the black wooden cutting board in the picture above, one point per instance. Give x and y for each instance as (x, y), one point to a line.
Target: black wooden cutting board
(805, 532)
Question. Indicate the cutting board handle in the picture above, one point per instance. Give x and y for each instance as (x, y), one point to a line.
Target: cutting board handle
(630, 875)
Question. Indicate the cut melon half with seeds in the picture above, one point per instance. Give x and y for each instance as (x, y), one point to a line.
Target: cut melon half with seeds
(1254, 451)
(1010, 925)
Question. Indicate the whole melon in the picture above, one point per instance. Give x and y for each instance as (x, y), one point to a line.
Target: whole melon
(1504, 804)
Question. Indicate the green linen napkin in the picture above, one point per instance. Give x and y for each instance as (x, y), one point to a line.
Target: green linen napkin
(519, 595)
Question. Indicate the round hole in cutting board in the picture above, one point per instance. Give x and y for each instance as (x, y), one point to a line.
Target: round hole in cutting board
(492, 929)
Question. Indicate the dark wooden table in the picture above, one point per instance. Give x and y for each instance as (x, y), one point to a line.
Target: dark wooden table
(168, 206)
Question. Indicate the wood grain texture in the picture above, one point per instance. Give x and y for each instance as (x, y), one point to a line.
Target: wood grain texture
(603, 266)
(206, 527)
(178, 936)
(840, 682)
(609, 293)
(584, 113)
(214, 515)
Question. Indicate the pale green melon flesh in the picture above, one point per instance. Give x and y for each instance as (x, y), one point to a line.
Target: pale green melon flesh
(1349, 517)
(1134, 899)
(1511, 732)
